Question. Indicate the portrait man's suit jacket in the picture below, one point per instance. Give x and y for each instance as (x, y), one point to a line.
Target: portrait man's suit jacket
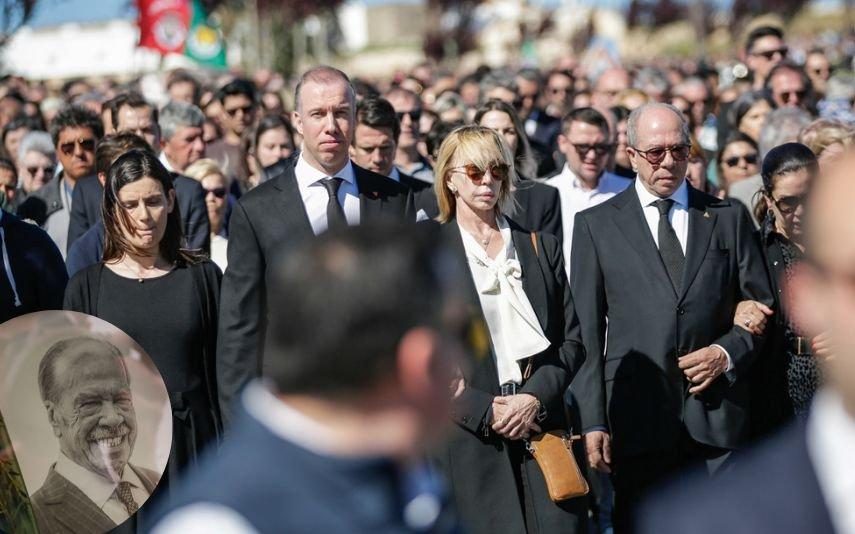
(265, 222)
(190, 197)
(631, 383)
(773, 489)
(539, 208)
(61, 507)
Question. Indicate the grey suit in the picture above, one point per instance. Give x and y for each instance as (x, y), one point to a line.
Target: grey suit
(61, 507)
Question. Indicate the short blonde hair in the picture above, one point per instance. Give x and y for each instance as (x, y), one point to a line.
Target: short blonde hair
(822, 133)
(475, 145)
(203, 168)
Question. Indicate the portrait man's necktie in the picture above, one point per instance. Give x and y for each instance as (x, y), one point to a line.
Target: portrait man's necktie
(335, 213)
(123, 491)
(669, 245)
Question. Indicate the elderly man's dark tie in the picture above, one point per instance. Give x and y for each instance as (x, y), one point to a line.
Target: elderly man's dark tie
(123, 491)
(335, 213)
(669, 245)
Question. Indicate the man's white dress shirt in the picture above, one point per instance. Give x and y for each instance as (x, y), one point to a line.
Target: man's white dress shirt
(315, 196)
(575, 198)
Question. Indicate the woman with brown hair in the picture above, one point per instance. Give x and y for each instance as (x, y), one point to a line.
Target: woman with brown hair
(513, 386)
(162, 296)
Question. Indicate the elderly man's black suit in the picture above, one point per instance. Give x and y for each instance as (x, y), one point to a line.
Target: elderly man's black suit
(265, 222)
(630, 383)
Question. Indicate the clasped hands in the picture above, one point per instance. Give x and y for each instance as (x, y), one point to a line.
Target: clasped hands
(514, 416)
(703, 366)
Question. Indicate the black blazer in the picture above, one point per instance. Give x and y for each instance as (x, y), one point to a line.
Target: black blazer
(634, 386)
(412, 183)
(475, 460)
(772, 490)
(86, 210)
(539, 208)
(265, 222)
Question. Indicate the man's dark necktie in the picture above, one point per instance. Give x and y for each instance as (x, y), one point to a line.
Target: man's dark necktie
(123, 491)
(335, 213)
(669, 245)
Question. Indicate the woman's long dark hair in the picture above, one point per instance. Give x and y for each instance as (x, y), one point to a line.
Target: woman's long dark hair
(523, 160)
(130, 167)
(782, 160)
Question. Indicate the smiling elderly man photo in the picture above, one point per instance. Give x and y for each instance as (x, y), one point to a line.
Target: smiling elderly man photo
(92, 487)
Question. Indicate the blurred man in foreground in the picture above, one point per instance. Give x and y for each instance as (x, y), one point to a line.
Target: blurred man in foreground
(802, 481)
(358, 386)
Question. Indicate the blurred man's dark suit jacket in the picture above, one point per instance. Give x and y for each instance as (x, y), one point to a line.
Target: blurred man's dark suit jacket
(771, 490)
(265, 222)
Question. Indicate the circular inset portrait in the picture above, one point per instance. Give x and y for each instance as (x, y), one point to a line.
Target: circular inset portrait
(85, 424)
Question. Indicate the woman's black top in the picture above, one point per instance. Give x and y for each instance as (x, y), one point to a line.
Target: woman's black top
(174, 319)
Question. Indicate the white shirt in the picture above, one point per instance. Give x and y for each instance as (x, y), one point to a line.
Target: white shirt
(575, 198)
(315, 196)
(515, 331)
(831, 443)
(679, 214)
(219, 251)
(166, 163)
(100, 490)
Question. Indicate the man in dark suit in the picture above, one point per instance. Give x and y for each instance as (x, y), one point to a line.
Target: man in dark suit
(800, 481)
(663, 266)
(92, 487)
(321, 189)
(331, 442)
(131, 113)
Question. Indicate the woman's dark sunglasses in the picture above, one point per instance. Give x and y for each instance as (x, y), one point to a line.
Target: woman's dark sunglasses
(476, 174)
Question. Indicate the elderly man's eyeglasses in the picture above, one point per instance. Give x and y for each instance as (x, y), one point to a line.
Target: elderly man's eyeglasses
(654, 156)
(88, 145)
(498, 171)
(787, 205)
(48, 170)
(600, 149)
(770, 54)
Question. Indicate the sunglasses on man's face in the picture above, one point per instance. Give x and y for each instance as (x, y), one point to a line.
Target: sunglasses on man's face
(219, 192)
(498, 171)
(770, 54)
(654, 156)
(32, 171)
(246, 110)
(792, 96)
(88, 145)
(414, 115)
(750, 159)
(600, 149)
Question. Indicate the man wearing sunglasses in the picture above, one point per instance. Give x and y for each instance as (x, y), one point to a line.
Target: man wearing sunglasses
(764, 48)
(75, 131)
(408, 108)
(239, 103)
(790, 86)
(583, 182)
(663, 266)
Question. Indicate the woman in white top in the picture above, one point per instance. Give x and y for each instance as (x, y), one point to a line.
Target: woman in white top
(208, 173)
(523, 357)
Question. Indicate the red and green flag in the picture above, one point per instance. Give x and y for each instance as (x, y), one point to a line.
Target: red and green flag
(181, 27)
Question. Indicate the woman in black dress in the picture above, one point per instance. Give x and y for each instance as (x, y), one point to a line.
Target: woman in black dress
(788, 376)
(163, 297)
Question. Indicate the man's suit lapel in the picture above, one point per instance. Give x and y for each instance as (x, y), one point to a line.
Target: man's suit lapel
(632, 223)
(701, 224)
(370, 199)
(67, 505)
(532, 277)
(294, 213)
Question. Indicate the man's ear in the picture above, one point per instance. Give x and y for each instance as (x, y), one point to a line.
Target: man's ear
(563, 144)
(633, 158)
(416, 362)
(297, 121)
(53, 418)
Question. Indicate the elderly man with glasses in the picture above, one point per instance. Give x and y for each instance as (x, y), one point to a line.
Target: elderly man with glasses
(657, 273)
(75, 131)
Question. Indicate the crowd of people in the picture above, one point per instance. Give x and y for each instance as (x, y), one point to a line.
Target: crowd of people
(604, 249)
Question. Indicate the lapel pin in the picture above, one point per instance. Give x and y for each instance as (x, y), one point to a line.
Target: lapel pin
(706, 215)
